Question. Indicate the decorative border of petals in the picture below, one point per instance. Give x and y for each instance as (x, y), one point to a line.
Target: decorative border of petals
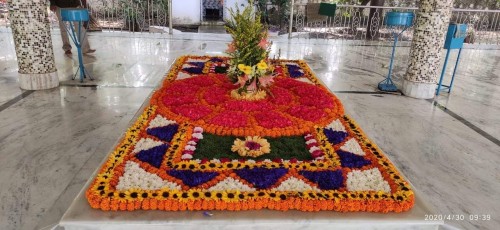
(147, 171)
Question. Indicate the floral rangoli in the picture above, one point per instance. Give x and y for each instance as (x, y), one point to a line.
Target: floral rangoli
(196, 147)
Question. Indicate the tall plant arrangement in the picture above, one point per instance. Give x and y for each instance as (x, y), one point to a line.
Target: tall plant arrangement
(249, 51)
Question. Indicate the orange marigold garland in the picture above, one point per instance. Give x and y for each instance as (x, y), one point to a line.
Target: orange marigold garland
(157, 166)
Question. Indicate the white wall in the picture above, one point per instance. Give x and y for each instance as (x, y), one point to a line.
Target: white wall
(231, 4)
(186, 12)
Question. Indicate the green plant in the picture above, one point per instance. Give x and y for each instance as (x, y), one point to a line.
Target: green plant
(248, 51)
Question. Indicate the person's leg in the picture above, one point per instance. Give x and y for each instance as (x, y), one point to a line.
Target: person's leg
(64, 34)
(85, 42)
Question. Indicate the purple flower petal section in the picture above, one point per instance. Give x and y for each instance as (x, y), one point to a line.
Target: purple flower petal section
(165, 133)
(153, 156)
(295, 71)
(192, 179)
(197, 64)
(335, 137)
(193, 70)
(216, 59)
(261, 178)
(326, 180)
(352, 160)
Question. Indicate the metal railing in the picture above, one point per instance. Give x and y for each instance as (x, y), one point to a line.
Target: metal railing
(351, 22)
(130, 15)
(118, 15)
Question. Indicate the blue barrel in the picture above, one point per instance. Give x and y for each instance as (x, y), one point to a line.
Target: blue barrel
(75, 14)
(399, 18)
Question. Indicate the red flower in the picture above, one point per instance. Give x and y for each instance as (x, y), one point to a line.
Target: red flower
(277, 160)
(317, 153)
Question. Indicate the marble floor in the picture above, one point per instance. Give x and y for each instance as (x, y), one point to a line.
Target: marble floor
(52, 140)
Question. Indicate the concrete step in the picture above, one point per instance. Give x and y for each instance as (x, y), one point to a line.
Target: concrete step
(214, 29)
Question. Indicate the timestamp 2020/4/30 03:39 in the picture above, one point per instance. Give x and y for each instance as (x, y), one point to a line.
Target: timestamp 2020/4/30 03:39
(472, 217)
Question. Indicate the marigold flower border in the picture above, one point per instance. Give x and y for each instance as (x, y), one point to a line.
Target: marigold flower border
(101, 196)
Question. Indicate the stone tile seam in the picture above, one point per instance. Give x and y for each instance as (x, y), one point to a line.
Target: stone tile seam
(465, 122)
(14, 100)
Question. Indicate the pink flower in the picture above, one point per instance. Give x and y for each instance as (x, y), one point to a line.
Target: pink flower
(242, 80)
(263, 43)
(266, 80)
(252, 86)
(231, 47)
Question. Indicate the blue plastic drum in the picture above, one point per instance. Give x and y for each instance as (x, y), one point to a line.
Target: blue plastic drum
(399, 18)
(75, 14)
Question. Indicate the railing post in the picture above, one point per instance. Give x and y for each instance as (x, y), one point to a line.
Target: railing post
(170, 27)
(291, 20)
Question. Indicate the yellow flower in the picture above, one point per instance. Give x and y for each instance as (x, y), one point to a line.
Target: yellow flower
(262, 65)
(241, 67)
(247, 70)
(250, 96)
(133, 194)
(252, 146)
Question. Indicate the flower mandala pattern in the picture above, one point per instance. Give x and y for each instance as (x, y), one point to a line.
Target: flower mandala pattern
(195, 147)
(293, 107)
(251, 147)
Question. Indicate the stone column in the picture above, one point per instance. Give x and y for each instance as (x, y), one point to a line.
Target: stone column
(35, 56)
(425, 55)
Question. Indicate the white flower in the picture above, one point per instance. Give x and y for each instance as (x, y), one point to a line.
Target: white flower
(193, 143)
(145, 144)
(197, 136)
(311, 141)
(230, 184)
(296, 185)
(367, 180)
(198, 130)
(182, 75)
(160, 121)
(197, 60)
(352, 146)
(291, 63)
(190, 148)
(186, 156)
(215, 161)
(336, 126)
(136, 177)
(314, 148)
(251, 162)
(307, 136)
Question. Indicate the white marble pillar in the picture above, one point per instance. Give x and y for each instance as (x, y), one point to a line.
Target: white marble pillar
(424, 67)
(35, 55)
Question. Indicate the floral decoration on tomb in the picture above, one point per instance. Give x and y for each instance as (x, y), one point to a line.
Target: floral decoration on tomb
(196, 147)
(249, 65)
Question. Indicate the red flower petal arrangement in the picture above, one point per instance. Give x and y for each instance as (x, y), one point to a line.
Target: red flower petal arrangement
(197, 148)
